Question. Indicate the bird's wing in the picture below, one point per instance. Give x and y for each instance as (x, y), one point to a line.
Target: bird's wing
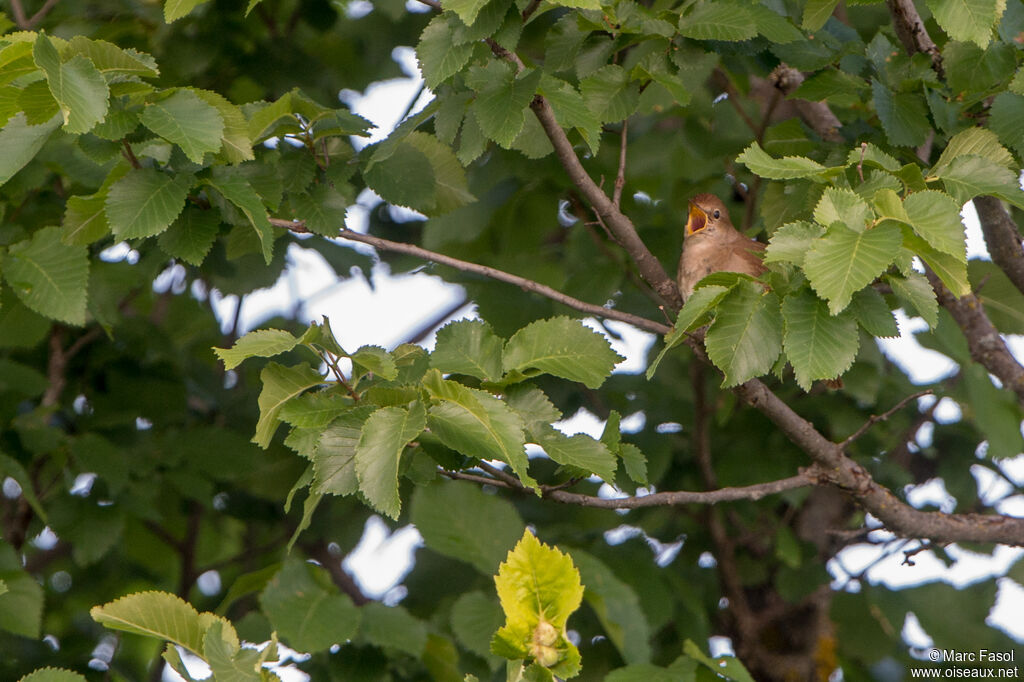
(745, 257)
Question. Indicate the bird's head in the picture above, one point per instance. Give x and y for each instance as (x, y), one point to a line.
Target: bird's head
(707, 215)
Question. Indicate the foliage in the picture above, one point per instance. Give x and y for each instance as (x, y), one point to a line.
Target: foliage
(155, 158)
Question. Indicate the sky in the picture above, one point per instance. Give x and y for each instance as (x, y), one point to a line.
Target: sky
(386, 314)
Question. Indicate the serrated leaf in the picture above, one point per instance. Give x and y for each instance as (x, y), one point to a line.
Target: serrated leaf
(459, 520)
(235, 144)
(816, 13)
(718, 21)
(85, 220)
(532, 405)
(315, 410)
(746, 337)
(475, 617)
(978, 141)
(609, 95)
(451, 190)
(916, 291)
(788, 167)
(974, 70)
(191, 235)
(870, 155)
(538, 584)
(579, 451)
(304, 612)
(376, 360)
(334, 459)
(384, 436)
(393, 627)
(952, 270)
(440, 58)
(873, 314)
(791, 242)
(935, 216)
(477, 424)
(176, 9)
(112, 61)
(635, 463)
(1004, 303)
(466, 10)
(468, 347)
(236, 189)
(904, 115)
(20, 142)
(844, 261)
(76, 85)
(1007, 112)
(49, 276)
(968, 19)
(22, 611)
(692, 314)
(562, 347)
(845, 206)
(280, 384)
(52, 675)
(145, 202)
(187, 121)
(322, 210)
(818, 345)
(617, 607)
(502, 99)
(775, 27)
(154, 614)
(970, 176)
(996, 412)
(261, 343)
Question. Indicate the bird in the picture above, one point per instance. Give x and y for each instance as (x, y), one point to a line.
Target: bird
(712, 244)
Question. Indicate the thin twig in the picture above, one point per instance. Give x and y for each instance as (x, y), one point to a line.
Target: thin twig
(620, 178)
(27, 24)
(530, 9)
(487, 271)
(874, 419)
(130, 155)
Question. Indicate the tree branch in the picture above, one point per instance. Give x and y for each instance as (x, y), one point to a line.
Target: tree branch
(1003, 238)
(620, 178)
(985, 344)
(874, 419)
(912, 33)
(26, 24)
(817, 115)
(493, 273)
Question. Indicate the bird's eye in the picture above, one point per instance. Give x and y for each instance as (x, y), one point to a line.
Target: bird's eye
(717, 214)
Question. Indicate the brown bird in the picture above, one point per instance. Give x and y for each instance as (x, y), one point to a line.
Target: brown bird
(712, 244)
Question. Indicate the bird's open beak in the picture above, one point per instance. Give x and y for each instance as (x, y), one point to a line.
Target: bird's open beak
(697, 221)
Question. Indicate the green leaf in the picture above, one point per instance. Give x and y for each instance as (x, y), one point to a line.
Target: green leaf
(145, 202)
(692, 314)
(718, 21)
(609, 95)
(381, 443)
(112, 61)
(843, 206)
(502, 98)
(52, 675)
(616, 606)
(322, 210)
(773, 26)
(376, 360)
(746, 337)
(870, 155)
(20, 142)
(233, 186)
(154, 614)
(977, 141)
(971, 20)
(191, 235)
(996, 413)
(844, 261)
(21, 606)
(935, 216)
(816, 13)
(531, 404)
(539, 588)
(418, 172)
(440, 58)
(78, 87)
(476, 617)
(1004, 303)
(969, 176)
(952, 270)
(306, 610)
(579, 451)
(450, 187)
(904, 116)
(477, 424)
(187, 121)
(261, 343)
(818, 345)
(393, 627)
(176, 9)
(85, 220)
(791, 242)
(280, 384)
(788, 167)
(1006, 114)
(49, 276)
(873, 314)
(459, 520)
(562, 347)
(466, 10)
(315, 410)
(468, 347)
(334, 460)
(235, 144)
(976, 70)
(916, 291)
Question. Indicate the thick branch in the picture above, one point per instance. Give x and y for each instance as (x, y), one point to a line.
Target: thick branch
(816, 114)
(620, 225)
(1003, 238)
(912, 33)
(983, 340)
